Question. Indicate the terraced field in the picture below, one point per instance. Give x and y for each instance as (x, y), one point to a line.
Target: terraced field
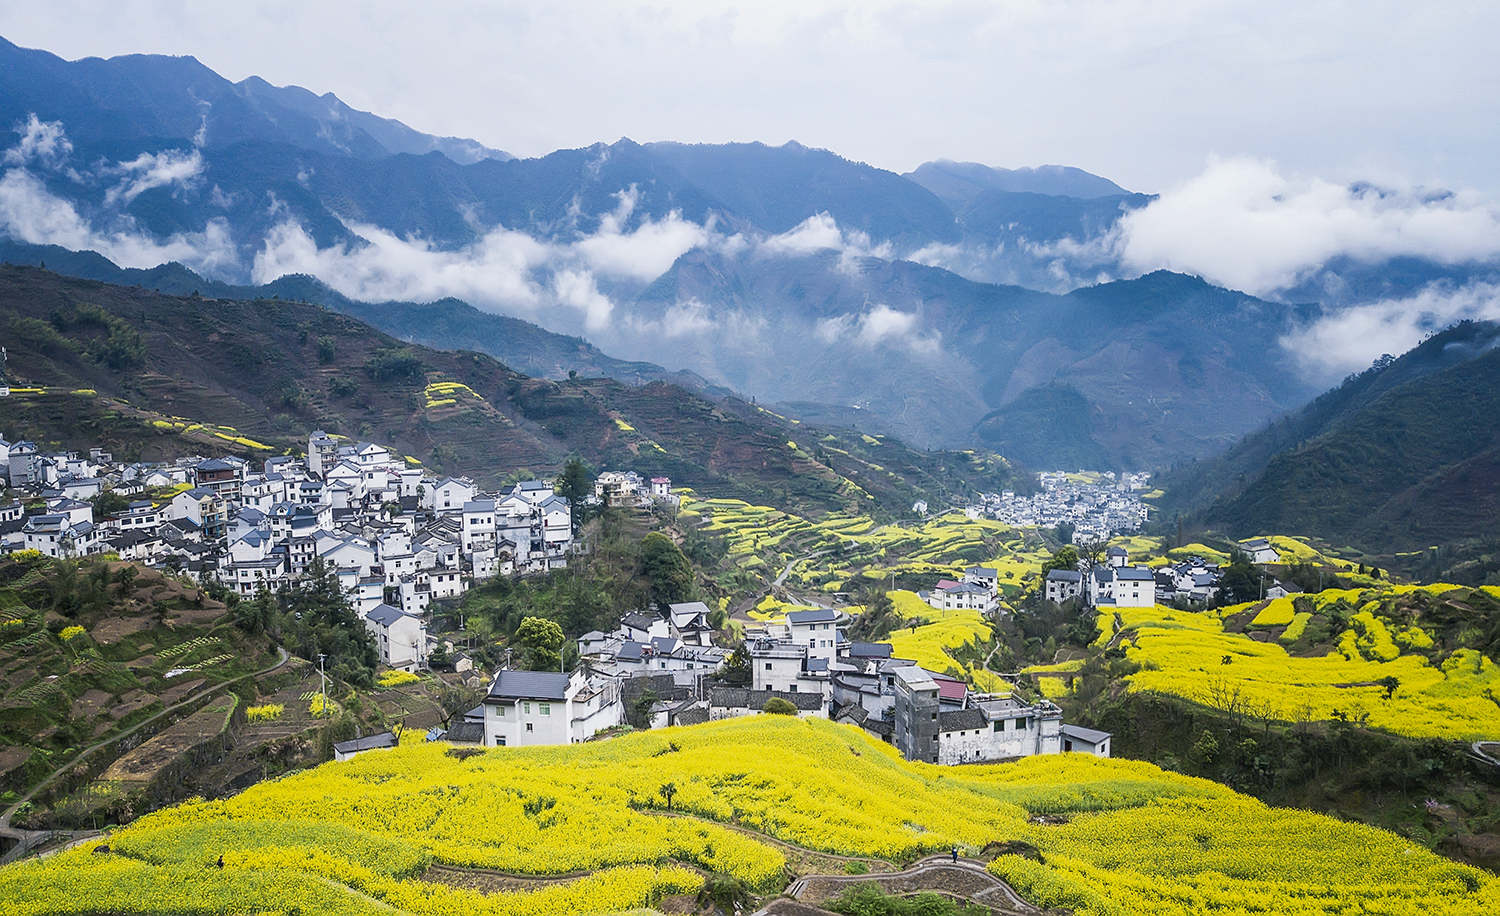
(764, 540)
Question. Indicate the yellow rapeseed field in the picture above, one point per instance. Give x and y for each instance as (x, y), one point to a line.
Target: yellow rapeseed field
(1188, 654)
(354, 837)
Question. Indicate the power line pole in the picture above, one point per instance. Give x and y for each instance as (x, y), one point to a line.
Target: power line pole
(323, 684)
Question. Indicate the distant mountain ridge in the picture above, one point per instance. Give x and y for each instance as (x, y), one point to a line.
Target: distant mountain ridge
(445, 325)
(126, 100)
(959, 183)
(800, 277)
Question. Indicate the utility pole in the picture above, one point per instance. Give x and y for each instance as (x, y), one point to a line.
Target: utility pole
(323, 684)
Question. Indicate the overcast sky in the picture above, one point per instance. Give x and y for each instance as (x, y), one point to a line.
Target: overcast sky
(1141, 92)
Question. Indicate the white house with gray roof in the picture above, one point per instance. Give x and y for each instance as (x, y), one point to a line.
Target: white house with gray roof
(525, 708)
(400, 637)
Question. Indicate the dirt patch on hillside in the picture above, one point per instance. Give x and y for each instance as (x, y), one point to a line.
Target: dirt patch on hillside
(130, 702)
(143, 763)
(113, 629)
(180, 691)
(91, 704)
(12, 758)
(1481, 849)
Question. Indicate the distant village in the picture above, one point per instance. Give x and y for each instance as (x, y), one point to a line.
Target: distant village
(399, 538)
(1096, 511)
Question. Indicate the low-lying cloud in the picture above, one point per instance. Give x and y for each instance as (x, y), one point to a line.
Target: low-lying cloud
(880, 324)
(154, 170)
(1245, 225)
(1353, 338)
(30, 212)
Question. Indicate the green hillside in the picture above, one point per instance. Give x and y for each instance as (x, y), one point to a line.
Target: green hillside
(1397, 459)
(150, 376)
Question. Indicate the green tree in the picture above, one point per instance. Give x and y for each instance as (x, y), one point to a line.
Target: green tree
(575, 484)
(1066, 557)
(642, 706)
(543, 640)
(319, 620)
(776, 706)
(737, 671)
(256, 615)
(1239, 582)
(670, 573)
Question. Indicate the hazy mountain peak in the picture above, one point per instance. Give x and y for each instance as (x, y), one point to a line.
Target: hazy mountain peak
(958, 183)
(178, 98)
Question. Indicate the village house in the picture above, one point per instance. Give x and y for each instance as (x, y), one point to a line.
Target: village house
(1063, 585)
(526, 708)
(400, 637)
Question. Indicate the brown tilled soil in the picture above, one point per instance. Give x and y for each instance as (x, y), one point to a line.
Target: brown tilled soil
(114, 629)
(142, 763)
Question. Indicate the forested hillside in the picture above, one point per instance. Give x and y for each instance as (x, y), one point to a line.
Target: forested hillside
(1398, 459)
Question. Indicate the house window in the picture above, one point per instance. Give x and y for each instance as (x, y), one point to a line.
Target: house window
(526, 708)
(500, 740)
(768, 666)
(792, 689)
(528, 726)
(500, 711)
(934, 718)
(546, 709)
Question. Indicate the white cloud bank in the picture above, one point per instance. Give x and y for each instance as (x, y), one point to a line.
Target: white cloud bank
(31, 213)
(1245, 225)
(1350, 340)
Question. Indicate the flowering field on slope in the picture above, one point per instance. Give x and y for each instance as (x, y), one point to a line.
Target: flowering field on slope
(767, 539)
(947, 629)
(351, 838)
(1189, 655)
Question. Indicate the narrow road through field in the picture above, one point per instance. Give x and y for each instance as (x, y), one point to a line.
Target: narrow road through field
(781, 579)
(27, 840)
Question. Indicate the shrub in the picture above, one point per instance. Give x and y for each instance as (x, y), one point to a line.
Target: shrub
(397, 678)
(269, 712)
(776, 706)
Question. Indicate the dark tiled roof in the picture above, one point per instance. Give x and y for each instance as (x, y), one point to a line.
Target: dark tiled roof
(636, 621)
(371, 743)
(529, 685)
(1079, 733)
(384, 614)
(871, 650)
(742, 698)
(961, 720)
(694, 716)
(466, 733)
(820, 615)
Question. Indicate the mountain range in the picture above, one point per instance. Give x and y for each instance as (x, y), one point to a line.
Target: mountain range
(940, 306)
(1397, 459)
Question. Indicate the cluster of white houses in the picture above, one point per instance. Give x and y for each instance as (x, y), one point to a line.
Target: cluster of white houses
(395, 536)
(1116, 583)
(978, 590)
(807, 661)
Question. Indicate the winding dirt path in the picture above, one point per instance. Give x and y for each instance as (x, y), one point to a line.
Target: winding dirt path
(965, 878)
